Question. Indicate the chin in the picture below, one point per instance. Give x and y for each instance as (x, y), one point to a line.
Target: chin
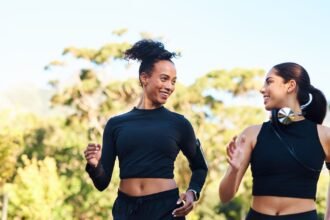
(162, 102)
(269, 108)
(159, 101)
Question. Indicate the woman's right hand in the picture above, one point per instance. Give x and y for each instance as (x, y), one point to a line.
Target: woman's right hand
(93, 154)
(235, 155)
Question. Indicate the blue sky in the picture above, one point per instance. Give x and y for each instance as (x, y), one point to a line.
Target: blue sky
(211, 34)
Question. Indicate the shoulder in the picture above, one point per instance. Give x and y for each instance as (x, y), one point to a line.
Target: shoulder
(252, 130)
(324, 136)
(173, 114)
(181, 123)
(323, 129)
(251, 133)
(123, 115)
(117, 119)
(179, 118)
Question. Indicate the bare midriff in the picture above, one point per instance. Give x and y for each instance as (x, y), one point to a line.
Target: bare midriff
(274, 205)
(145, 186)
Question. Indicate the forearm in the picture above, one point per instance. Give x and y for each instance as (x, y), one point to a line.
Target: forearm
(229, 185)
(199, 169)
(198, 179)
(100, 179)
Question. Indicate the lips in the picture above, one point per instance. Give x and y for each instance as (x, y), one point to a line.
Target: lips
(164, 95)
(266, 98)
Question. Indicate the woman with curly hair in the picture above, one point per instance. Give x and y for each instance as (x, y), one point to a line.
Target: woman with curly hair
(146, 141)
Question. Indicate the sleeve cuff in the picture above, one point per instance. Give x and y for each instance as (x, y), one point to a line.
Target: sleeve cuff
(94, 171)
(196, 194)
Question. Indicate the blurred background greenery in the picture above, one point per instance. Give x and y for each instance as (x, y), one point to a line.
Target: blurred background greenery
(41, 154)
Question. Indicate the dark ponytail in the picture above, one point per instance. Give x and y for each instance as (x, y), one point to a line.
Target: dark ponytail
(148, 52)
(317, 109)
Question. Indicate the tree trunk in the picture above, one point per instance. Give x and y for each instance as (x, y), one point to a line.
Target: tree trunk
(4, 206)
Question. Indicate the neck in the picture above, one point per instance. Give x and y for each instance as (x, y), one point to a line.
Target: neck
(293, 104)
(145, 103)
(298, 118)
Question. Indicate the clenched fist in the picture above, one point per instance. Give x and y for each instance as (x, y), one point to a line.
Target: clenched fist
(93, 154)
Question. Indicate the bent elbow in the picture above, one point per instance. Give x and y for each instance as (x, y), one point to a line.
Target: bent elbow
(225, 199)
(101, 188)
(101, 184)
(225, 195)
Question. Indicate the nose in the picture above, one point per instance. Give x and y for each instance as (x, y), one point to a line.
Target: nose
(169, 86)
(262, 90)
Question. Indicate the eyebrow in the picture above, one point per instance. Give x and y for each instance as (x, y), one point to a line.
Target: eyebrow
(164, 74)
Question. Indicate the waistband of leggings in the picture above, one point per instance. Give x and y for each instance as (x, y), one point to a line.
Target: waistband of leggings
(312, 212)
(159, 195)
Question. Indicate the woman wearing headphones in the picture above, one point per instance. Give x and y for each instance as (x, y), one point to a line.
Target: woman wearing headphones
(286, 153)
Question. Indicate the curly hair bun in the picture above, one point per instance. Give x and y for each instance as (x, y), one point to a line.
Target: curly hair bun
(148, 50)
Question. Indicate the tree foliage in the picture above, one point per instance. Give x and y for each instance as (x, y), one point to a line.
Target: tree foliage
(42, 158)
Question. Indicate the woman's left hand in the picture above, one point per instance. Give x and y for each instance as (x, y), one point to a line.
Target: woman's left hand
(187, 199)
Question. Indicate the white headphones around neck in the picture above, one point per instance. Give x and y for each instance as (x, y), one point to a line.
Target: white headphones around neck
(286, 116)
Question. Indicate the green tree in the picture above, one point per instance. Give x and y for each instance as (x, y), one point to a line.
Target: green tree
(36, 192)
(93, 101)
(46, 153)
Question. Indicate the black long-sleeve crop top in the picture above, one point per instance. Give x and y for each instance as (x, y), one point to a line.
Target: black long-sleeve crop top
(147, 143)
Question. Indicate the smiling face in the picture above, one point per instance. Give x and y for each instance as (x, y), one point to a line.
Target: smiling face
(276, 91)
(160, 83)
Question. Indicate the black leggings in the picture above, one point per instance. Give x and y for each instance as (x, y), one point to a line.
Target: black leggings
(158, 206)
(254, 215)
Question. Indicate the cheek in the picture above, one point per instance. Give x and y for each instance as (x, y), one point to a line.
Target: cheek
(157, 84)
(153, 89)
(173, 88)
(273, 91)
